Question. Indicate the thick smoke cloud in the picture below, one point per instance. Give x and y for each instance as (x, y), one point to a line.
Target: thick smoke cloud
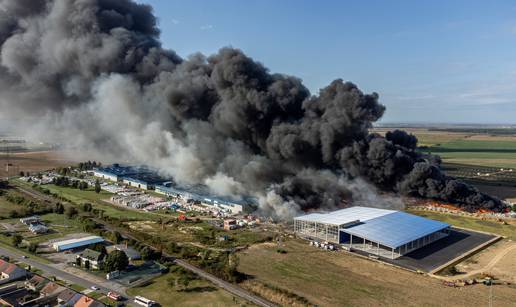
(93, 74)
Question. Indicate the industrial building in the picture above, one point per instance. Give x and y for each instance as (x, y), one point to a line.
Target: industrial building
(76, 243)
(136, 176)
(385, 233)
(200, 193)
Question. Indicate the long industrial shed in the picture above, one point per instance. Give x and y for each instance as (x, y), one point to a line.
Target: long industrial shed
(386, 233)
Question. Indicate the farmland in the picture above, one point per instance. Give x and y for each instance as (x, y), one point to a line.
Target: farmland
(32, 161)
(485, 158)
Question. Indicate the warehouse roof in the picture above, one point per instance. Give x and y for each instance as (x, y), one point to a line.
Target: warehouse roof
(396, 229)
(387, 227)
(78, 242)
(345, 216)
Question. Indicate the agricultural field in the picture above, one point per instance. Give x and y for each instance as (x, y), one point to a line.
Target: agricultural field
(466, 147)
(198, 293)
(33, 162)
(485, 158)
(339, 279)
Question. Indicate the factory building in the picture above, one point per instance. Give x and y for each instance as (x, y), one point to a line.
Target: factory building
(76, 243)
(143, 181)
(200, 194)
(136, 176)
(385, 233)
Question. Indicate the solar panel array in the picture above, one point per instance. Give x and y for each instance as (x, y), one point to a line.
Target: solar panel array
(396, 229)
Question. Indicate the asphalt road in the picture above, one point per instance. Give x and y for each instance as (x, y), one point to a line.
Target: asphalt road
(53, 271)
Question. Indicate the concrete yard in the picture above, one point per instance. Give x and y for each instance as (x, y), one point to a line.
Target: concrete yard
(436, 254)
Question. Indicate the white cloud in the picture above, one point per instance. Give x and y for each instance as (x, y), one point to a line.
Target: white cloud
(206, 27)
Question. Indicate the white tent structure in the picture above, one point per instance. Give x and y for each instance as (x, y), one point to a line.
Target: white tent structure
(381, 232)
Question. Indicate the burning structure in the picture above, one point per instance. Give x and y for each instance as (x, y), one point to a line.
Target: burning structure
(94, 74)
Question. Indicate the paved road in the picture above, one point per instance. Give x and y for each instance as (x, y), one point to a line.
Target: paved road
(51, 270)
(231, 288)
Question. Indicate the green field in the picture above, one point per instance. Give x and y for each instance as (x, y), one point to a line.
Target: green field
(98, 202)
(508, 231)
(199, 293)
(464, 149)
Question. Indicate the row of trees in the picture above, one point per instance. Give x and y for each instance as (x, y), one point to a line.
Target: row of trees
(64, 181)
(88, 165)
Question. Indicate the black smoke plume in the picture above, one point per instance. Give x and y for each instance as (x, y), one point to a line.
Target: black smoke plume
(93, 74)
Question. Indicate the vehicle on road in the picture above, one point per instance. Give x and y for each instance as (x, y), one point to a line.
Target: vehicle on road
(114, 296)
(24, 257)
(140, 300)
(95, 288)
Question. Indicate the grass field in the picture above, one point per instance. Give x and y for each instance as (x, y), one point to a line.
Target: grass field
(508, 231)
(199, 293)
(97, 200)
(470, 148)
(340, 279)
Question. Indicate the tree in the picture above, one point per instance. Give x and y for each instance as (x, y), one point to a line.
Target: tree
(99, 247)
(183, 281)
(78, 261)
(87, 264)
(22, 174)
(71, 212)
(97, 186)
(116, 261)
(116, 237)
(83, 185)
(33, 247)
(59, 208)
(86, 207)
(16, 240)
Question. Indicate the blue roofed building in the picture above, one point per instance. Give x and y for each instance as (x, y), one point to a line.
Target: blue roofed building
(136, 176)
(386, 233)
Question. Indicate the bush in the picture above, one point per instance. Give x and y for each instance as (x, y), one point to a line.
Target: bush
(116, 261)
(16, 240)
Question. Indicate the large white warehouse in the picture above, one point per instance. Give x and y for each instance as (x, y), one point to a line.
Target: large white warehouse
(76, 243)
(385, 233)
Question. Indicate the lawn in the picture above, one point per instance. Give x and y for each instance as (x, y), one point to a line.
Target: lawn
(58, 224)
(98, 201)
(471, 223)
(199, 293)
(6, 207)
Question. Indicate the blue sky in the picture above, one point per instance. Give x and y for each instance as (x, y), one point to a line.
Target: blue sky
(430, 61)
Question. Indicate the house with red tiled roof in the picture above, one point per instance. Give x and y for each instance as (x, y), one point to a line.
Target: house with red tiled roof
(51, 289)
(85, 301)
(36, 283)
(10, 272)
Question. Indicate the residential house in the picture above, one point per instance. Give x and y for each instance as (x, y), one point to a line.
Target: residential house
(36, 283)
(10, 272)
(90, 258)
(68, 298)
